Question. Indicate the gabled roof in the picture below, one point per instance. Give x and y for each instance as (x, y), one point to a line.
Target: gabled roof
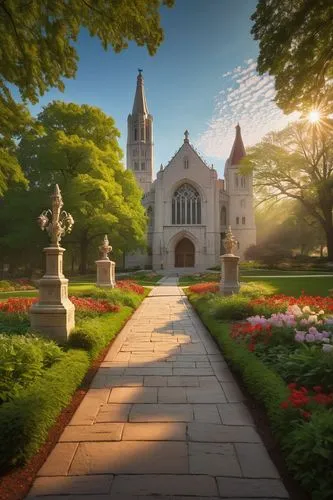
(140, 103)
(238, 150)
(187, 142)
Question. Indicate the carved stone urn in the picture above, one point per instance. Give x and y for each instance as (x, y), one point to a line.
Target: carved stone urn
(106, 268)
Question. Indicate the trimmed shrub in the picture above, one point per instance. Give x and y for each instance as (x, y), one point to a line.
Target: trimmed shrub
(92, 334)
(23, 359)
(26, 420)
(309, 454)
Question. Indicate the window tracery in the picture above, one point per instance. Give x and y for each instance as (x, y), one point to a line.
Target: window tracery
(186, 205)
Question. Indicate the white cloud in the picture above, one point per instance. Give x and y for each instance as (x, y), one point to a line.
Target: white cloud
(247, 98)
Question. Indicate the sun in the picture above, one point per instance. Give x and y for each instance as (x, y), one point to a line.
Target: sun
(314, 116)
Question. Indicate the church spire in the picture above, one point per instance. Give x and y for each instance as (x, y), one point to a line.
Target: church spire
(238, 150)
(140, 103)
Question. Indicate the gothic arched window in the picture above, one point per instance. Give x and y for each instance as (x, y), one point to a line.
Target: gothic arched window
(186, 205)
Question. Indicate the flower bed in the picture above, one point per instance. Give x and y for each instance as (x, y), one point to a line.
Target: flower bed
(15, 305)
(130, 286)
(202, 288)
(283, 349)
(13, 285)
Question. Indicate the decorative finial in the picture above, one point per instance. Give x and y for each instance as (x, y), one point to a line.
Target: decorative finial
(140, 71)
(230, 242)
(186, 134)
(161, 167)
(62, 222)
(105, 248)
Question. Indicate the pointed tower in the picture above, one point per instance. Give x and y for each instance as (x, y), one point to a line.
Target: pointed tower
(140, 147)
(239, 187)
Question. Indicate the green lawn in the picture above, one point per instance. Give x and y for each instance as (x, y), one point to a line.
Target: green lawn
(294, 286)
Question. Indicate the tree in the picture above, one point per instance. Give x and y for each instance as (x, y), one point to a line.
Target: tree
(296, 47)
(37, 42)
(78, 149)
(297, 163)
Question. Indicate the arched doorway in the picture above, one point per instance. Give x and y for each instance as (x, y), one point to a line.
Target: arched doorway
(184, 253)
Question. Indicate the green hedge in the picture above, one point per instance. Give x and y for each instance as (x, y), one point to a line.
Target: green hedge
(307, 446)
(26, 420)
(94, 334)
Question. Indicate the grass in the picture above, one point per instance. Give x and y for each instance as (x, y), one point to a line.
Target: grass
(295, 286)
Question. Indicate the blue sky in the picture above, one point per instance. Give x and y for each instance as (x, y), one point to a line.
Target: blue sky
(202, 79)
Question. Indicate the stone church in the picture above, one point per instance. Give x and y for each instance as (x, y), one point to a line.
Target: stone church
(189, 208)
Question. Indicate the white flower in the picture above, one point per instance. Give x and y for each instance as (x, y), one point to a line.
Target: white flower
(327, 347)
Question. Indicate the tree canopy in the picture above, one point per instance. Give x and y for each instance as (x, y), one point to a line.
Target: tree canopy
(37, 50)
(296, 47)
(297, 163)
(77, 147)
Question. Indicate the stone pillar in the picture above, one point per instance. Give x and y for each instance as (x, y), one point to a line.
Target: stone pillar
(229, 267)
(54, 314)
(106, 268)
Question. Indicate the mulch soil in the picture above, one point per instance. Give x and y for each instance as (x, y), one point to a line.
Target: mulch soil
(15, 484)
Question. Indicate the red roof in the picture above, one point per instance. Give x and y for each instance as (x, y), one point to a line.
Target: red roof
(238, 150)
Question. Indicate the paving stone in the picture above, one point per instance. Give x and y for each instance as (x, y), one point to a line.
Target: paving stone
(202, 364)
(96, 432)
(149, 371)
(130, 457)
(207, 395)
(165, 485)
(251, 488)
(114, 413)
(235, 414)
(155, 431)
(155, 381)
(222, 373)
(71, 485)
(183, 381)
(161, 413)
(214, 459)
(222, 433)
(232, 392)
(196, 372)
(262, 466)
(183, 364)
(125, 381)
(206, 413)
(133, 395)
(59, 460)
(193, 349)
(172, 395)
(89, 407)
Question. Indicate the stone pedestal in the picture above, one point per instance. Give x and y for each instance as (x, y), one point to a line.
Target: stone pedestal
(229, 274)
(54, 314)
(106, 270)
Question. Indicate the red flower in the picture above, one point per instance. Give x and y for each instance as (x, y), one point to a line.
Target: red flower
(202, 288)
(284, 405)
(130, 286)
(317, 388)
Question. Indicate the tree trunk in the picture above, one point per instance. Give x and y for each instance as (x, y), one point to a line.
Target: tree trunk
(83, 254)
(329, 239)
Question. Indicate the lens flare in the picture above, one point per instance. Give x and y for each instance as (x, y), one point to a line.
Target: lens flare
(314, 116)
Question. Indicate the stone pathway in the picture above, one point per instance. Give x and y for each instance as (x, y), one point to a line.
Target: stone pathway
(163, 420)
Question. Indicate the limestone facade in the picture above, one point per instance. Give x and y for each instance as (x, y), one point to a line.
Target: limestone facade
(189, 208)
